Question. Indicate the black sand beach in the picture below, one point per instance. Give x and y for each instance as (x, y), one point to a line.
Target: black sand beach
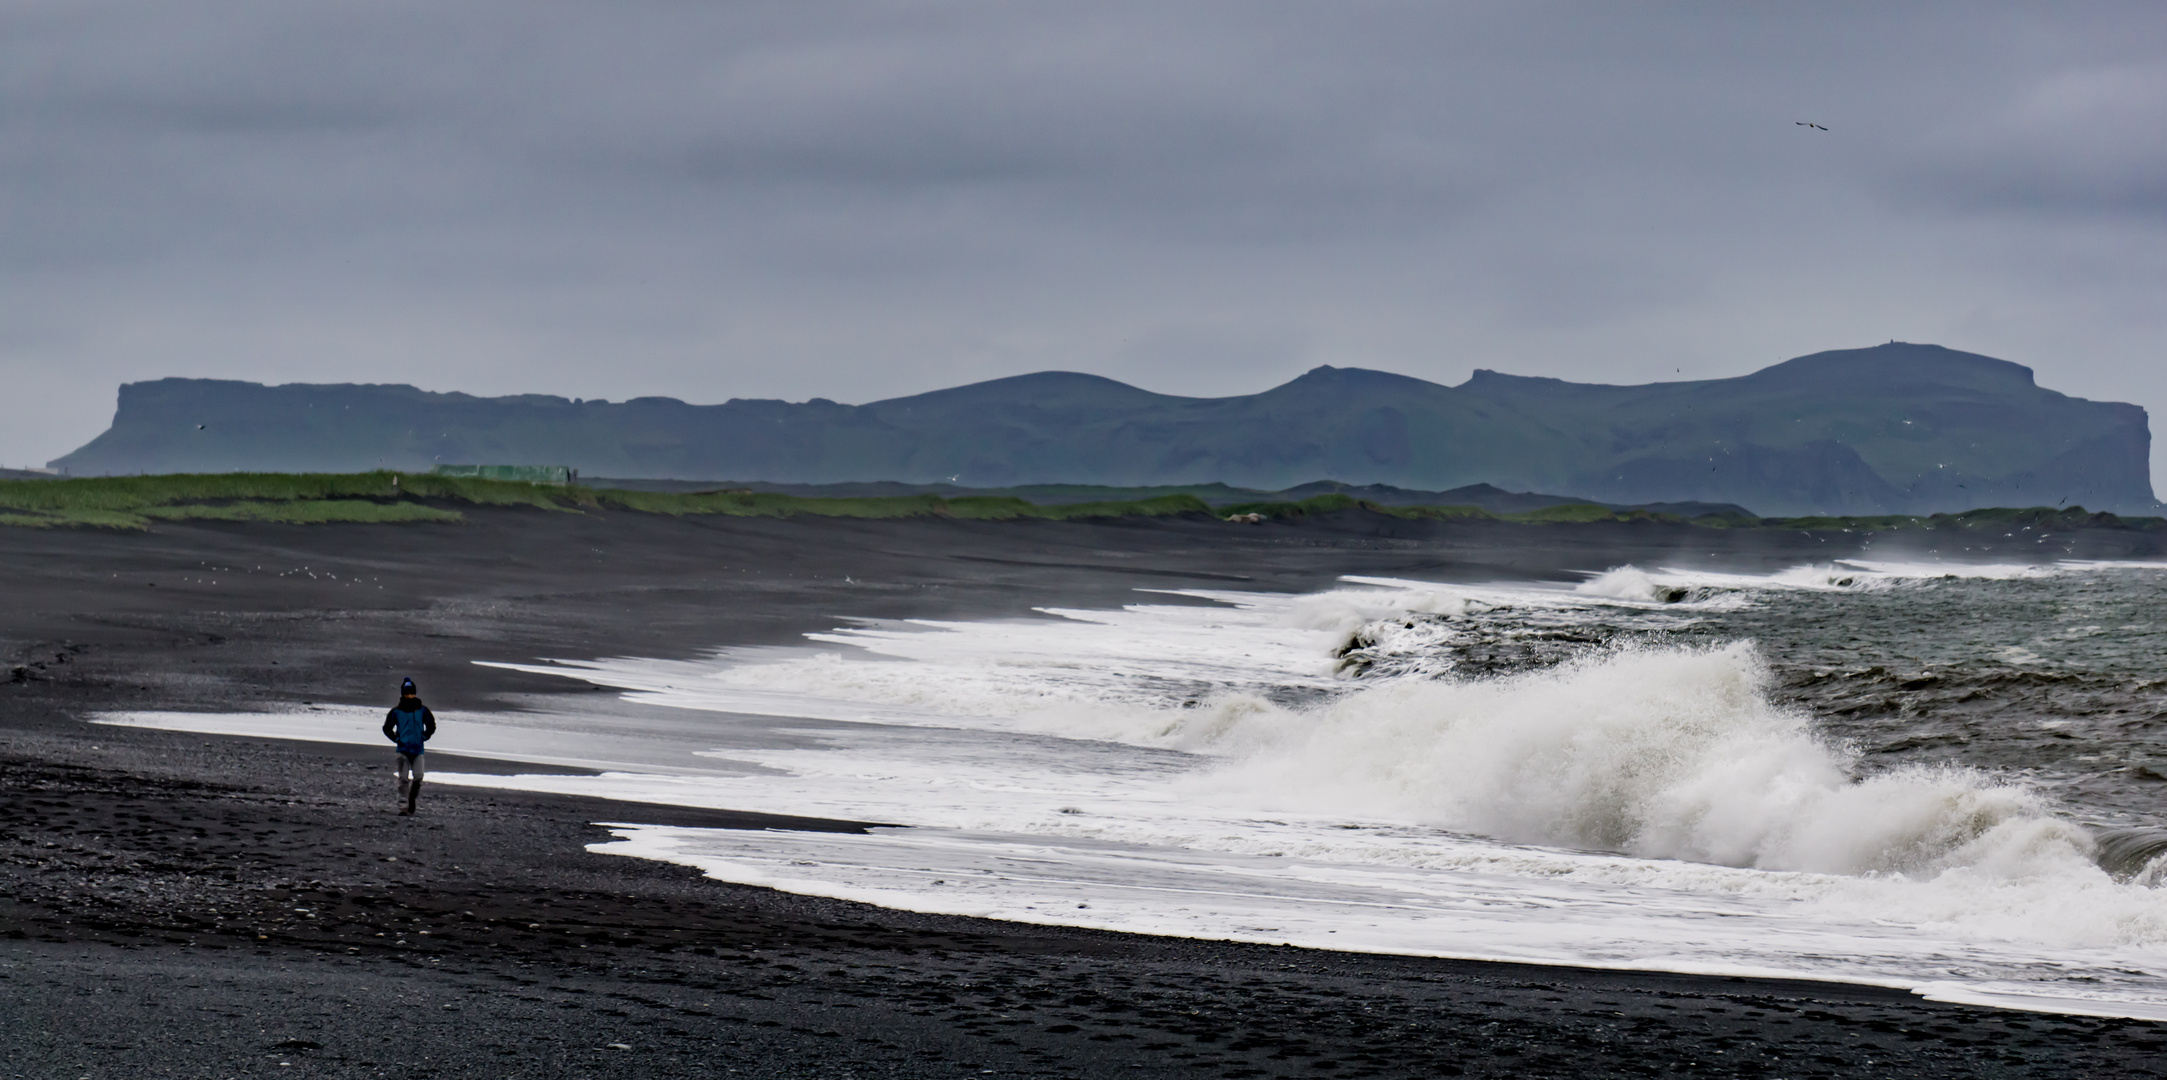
(185, 905)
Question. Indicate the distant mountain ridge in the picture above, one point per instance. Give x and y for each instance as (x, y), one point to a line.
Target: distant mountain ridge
(1897, 428)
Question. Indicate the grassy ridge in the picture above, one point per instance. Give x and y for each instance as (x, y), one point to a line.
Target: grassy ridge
(1571, 513)
(2043, 518)
(970, 507)
(1325, 504)
(134, 502)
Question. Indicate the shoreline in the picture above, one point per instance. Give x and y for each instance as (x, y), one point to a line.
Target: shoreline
(623, 818)
(518, 901)
(171, 852)
(518, 905)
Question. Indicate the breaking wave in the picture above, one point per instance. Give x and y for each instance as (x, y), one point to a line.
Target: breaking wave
(1659, 753)
(1553, 716)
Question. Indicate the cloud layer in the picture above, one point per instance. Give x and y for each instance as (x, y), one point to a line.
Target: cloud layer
(862, 200)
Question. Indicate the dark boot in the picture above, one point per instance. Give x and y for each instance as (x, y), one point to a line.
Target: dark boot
(413, 791)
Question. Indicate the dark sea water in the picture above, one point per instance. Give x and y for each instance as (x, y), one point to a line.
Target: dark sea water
(2054, 675)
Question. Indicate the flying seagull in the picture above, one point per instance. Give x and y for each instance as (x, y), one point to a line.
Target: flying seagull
(1808, 123)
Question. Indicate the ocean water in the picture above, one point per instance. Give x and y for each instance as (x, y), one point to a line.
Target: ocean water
(1937, 777)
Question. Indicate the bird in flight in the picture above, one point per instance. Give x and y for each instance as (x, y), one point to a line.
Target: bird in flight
(1809, 123)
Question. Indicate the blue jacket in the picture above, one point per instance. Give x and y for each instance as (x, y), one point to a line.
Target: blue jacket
(409, 726)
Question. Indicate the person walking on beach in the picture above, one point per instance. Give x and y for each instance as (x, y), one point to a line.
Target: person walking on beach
(409, 724)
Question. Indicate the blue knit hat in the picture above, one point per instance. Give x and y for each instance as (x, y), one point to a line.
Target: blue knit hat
(406, 688)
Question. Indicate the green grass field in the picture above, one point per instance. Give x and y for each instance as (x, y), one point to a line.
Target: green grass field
(136, 502)
(1998, 519)
(1325, 504)
(971, 507)
(1573, 513)
(133, 502)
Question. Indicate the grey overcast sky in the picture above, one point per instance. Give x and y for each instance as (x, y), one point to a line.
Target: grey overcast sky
(861, 200)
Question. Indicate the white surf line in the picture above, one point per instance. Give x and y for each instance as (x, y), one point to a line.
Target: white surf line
(1166, 893)
(1251, 898)
(361, 725)
(682, 685)
(1926, 971)
(1040, 874)
(1614, 912)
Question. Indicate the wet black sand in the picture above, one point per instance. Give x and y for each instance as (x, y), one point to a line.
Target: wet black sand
(183, 905)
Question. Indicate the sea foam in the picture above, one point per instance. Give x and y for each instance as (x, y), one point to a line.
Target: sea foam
(1659, 753)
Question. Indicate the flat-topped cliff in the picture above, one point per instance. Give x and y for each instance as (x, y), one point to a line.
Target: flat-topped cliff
(1897, 428)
